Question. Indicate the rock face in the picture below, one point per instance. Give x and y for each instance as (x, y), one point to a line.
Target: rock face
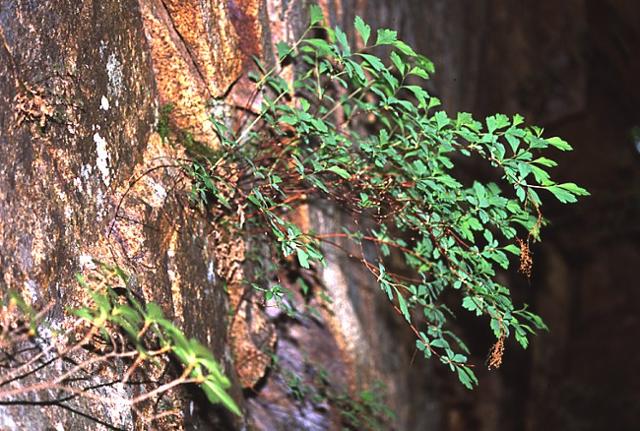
(83, 174)
(76, 109)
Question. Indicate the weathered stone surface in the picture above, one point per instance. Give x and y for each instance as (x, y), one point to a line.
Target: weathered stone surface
(76, 106)
(181, 82)
(199, 50)
(90, 181)
(88, 64)
(82, 175)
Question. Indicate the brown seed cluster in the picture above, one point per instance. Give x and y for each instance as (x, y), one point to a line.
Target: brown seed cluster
(526, 258)
(497, 351)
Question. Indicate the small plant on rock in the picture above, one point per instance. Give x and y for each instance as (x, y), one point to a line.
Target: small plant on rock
(359, 131)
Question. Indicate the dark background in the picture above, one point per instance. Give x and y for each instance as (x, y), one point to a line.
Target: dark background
(572, 67)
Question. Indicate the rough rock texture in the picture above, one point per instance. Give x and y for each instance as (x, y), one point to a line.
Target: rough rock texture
(82, 174)
(198, 51)
(85, 71)
(76, 107)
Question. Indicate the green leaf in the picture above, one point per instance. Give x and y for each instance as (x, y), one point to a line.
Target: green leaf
(315, 14)
(339, 171)
(513, 249)
(500, 258)
(467, 377)
(374, 61)
(404, 48)
(440, 343)
(562, 195)
(419, 167)
(363, 29)
(513, 140)
(216, 394)
(545, 162)
(419, 94)
(469, 303)
(567, 192)
(386, 36)
(320, 45)
(359, 71)
(441, 119)
(433, 102)
(154, 312)
(521, 337)
(497, 122)
(102, 301)
(84, 313)
(517, 120)
(496, 327)
(303, 258)
(419, 72)
(289, 119)
(131, 315)
(283, 50)
(559, 143)
(574, 188)
(341, 37)
(541, 176)
(459, 358)
(403, 306)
